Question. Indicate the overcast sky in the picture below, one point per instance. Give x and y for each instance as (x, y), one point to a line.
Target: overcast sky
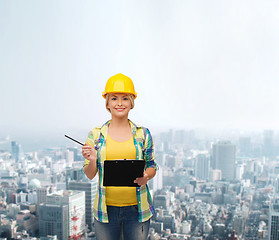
(195, 64)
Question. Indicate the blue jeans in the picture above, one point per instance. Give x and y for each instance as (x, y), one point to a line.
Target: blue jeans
(123, 224)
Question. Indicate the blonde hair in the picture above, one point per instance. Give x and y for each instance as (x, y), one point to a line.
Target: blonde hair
(130, 96)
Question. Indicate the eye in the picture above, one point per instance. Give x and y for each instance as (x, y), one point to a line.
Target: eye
(113, 98)
(125, 98)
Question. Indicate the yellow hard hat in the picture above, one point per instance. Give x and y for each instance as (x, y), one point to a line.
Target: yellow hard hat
(119, 83)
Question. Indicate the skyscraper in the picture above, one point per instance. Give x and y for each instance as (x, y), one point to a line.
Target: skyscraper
(42, 194)
(245, 146)
(215, 175)
(273, 222)
(157, 181)
(75, 200)
(75, 174)
(54, 220)
(268, 143)
(55, 216)
(202, 166)
(223, 158)
(90, 189)
(15, 150)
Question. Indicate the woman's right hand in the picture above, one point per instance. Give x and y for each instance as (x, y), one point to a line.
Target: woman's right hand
(89, 153)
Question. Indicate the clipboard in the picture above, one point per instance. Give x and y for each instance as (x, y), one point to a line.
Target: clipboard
(122, 173)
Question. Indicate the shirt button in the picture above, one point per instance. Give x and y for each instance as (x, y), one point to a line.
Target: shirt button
(139, 201)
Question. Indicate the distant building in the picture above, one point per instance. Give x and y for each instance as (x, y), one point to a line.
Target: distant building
(223, 158)
(69, 156)
(42, 194)
(76, 151)
(34, 183)
(186, 227)
(16, 148)
(273, 222)
(238, 224)
(268, 143)
(0, 223)
(27, 221)
(161, 201)
(184, 137)
(90, 189)
(202, 166)
(239, 171)
(75, 200)
(215, 175)
(158, 226)
(245, 146)
(157, 181)
(55, 216)
(168, 222)
(179, 137)
(75, 174)
(54, 220)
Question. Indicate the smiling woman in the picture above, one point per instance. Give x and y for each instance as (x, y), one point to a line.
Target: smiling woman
(120, 211)
(125, 97)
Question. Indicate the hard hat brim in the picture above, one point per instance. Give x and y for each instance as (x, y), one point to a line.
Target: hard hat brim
(105, 93)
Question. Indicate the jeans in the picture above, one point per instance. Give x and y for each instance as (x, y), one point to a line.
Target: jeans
(123, 224)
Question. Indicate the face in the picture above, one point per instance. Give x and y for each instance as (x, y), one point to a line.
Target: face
(119, 104)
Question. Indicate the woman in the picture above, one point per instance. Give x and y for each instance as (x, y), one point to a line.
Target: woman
(120, 211)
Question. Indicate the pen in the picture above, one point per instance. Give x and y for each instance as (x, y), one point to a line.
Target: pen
(74, 140)
(96, 148)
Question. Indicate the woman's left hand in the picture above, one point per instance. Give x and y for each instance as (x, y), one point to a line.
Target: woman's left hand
(143, 180)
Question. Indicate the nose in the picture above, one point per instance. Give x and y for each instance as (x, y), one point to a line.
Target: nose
(119, 102)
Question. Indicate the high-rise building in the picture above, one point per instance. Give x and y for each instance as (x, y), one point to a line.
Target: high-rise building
(42, 194)
(202, 166)
(215, 175)
(69, 156)
(157, 181)
(76, 152)
(239, 171)
(15, 150)
(179, 136)
(75, 174)
(55, 216)
(245, 146)
(54, 220)
(268, 143)
(184, 137)
(273, 222)
(75, 200)
(223, 158)
(90, 189)
(238, 224)
(0, 223)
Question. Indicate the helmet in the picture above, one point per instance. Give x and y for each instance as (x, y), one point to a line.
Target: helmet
(119, 83)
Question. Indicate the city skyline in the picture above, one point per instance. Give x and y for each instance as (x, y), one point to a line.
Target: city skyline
(209, 65)
(226, 190)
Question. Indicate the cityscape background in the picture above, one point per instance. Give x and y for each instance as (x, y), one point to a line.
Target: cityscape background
(206, 188)
(206, 74)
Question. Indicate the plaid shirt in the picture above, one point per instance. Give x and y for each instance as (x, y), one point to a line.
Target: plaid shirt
(144, 149)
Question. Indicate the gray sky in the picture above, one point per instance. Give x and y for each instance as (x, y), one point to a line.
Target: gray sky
(195, 64)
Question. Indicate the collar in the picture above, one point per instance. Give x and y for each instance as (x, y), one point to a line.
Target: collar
(104, 128)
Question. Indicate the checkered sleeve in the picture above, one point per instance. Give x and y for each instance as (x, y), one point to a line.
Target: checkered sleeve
(148, 152)
(90, 142)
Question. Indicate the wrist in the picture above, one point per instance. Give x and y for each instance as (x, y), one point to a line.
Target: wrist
(146, 176)
(92, 161)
